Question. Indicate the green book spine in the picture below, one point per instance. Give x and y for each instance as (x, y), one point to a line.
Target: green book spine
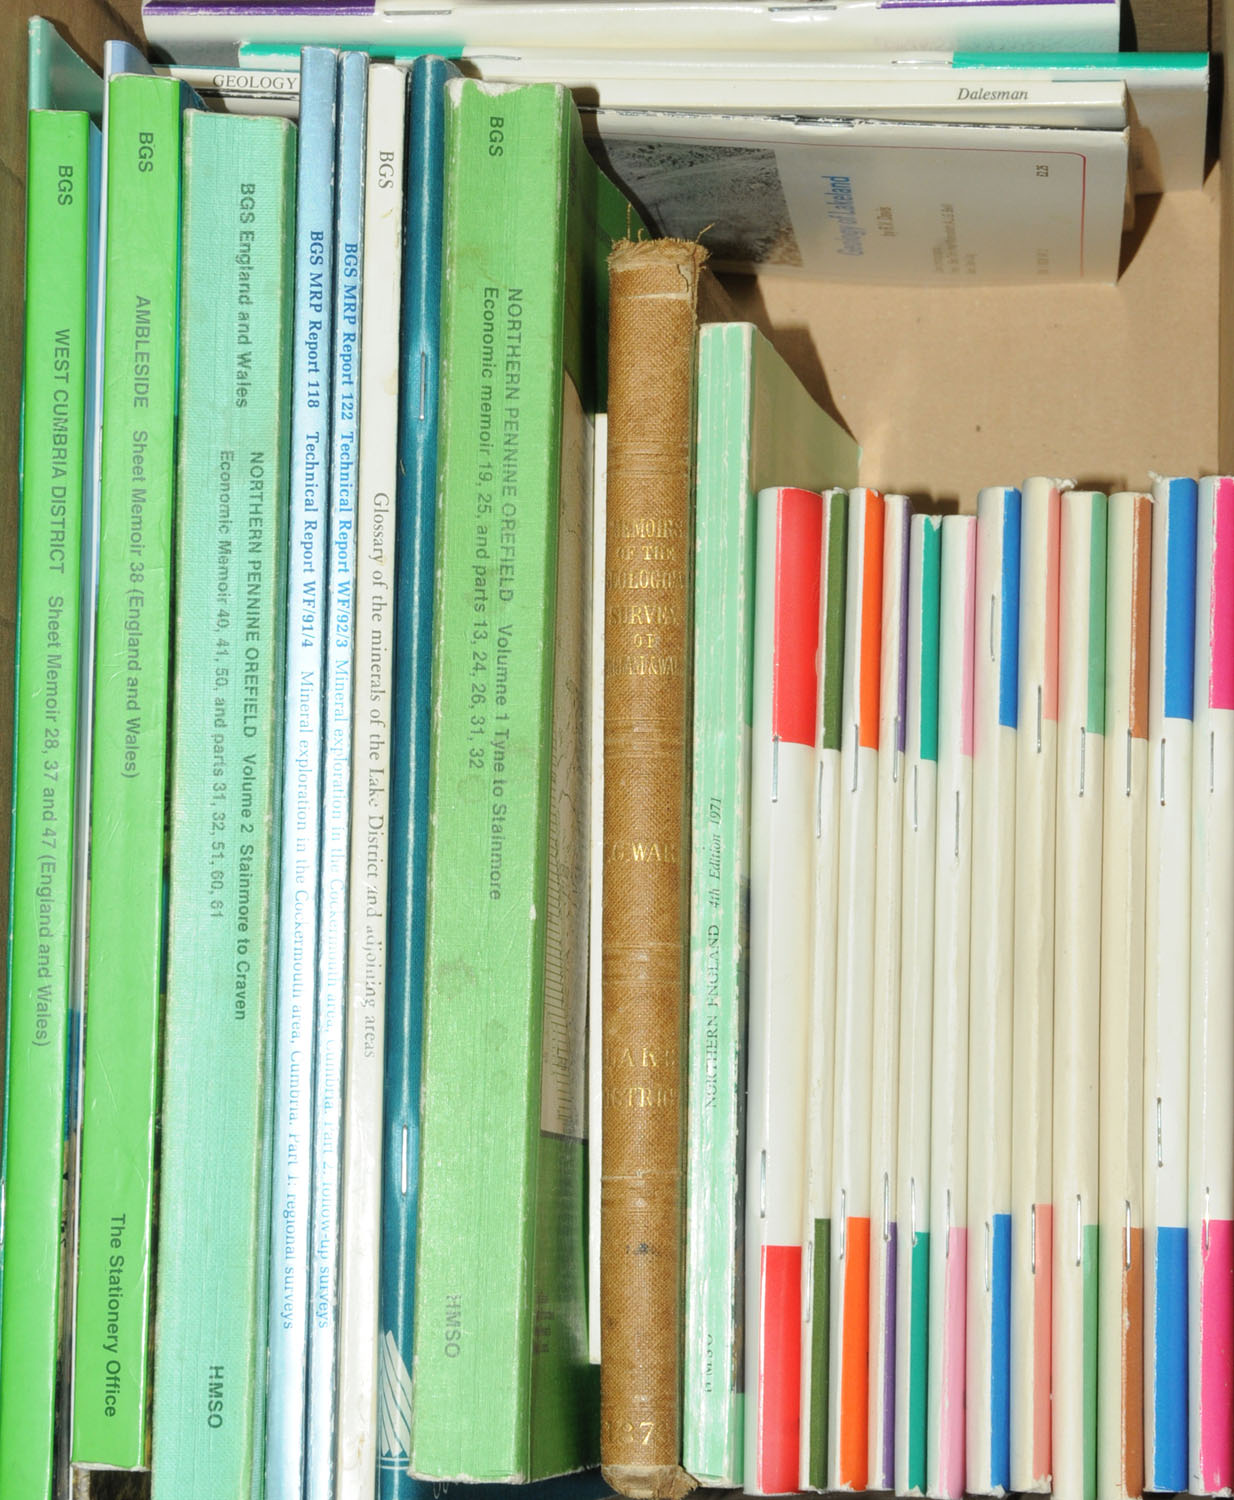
(713, 1373)
(757, 426)
(500, 1271)
(231, 546)
(45, 736)
(123, 976)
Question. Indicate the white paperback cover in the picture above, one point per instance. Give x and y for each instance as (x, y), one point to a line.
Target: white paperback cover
(1033, 997)
(820, 1094)
(995, 708)
(948, 1127)
(1167, 981)
(848, 1386)
(1120, 1275)
(195, 30)
(916, 1005)
(875, 201)
(885, 1013)
(786, 592)
(1077, 987)
(1210, 1217)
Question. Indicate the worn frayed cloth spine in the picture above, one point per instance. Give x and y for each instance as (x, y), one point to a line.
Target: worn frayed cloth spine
(654, 286)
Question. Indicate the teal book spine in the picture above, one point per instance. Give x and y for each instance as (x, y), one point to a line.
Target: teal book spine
(124, 969)
(231, 565)
(58, 215)
(500, 1258)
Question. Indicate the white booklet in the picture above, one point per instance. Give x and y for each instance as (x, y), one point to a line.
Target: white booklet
(872, 200)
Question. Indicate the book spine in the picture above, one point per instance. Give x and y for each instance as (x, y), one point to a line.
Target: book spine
(301, 811)
(87, 621)
(595, 904)
(849, 1276)
(368, 803)
(786, 622)
(916, 1005)
(1210, 1213)
(884, 1018)
(129, 775)
(1167, 978)
(488, 984)
(816, 1240)
(948, 1256)
(719, 904)
(187, 31)
(995, 709)
(415, 545)
(1077, 988)
(44, 830)
(231, 560)
(1120, 1276)
(346, 392)
(1033, 1004)
(652, 362)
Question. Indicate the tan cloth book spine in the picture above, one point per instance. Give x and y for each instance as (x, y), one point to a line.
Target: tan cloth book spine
(652, 325)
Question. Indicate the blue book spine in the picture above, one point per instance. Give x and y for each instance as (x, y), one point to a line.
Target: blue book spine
(292, 1154)
(414, 554)
(336, 780)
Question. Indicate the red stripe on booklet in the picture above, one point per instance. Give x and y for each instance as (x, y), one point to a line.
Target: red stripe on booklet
(799, 542)
(779, 1376)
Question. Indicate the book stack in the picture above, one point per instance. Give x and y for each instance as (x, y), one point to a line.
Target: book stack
(939, 144)
(554, 924)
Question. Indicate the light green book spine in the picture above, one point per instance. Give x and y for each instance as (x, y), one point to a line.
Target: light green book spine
(757, 426)
(231, 559)
(123, 979)
(45, 749)
(724, 532)
(500, 1273)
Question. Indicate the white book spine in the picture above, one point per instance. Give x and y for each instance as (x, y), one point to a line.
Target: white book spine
(816, 1234)
(202, 32)
(916, 1005)
(359, 1253)
(1210, 1215)
(1167, 982)
(885, 1052)
(995, 707)
(948, 1130)
(787, 550)
(1077, 987)
(1120, 1278)
(848, 1424)
(1033, 1003)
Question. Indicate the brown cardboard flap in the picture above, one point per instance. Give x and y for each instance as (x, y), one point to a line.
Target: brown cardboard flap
(949, 389)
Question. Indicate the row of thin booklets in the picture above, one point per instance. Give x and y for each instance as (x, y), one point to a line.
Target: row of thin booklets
(330, 635)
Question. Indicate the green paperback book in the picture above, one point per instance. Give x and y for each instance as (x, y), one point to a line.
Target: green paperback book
(123, 976)
(757, 426)
(231, 546)
(44, 759)
(503, 1385)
